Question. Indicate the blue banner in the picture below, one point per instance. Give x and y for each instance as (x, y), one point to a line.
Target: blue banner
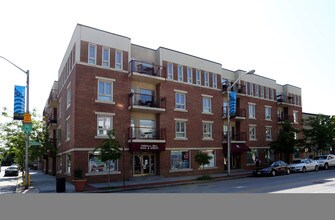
(232, 103)
(19, 102)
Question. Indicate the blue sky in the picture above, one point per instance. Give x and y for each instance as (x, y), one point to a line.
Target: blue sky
(291, 41)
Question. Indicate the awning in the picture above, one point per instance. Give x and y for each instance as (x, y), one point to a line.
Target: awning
(236, 148)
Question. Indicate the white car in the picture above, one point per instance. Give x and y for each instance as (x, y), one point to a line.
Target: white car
(325, 161)
(303, 165)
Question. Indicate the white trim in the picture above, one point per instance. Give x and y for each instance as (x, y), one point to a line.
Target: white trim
(181, 139)
(180, 110)
(204, 95)
(212, 122)
(105, 102)
(180, 91)
(105, 113)
(180, 170)
(105, 78)
(181, 119)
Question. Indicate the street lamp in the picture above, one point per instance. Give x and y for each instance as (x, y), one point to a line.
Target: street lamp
(229, 87)
(27, 112)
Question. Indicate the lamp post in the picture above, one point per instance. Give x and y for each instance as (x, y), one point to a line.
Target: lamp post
(228, 118)
(27, 112)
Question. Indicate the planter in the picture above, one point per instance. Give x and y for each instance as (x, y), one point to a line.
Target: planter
(79, 185)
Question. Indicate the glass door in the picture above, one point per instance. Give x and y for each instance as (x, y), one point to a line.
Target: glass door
(144, 164)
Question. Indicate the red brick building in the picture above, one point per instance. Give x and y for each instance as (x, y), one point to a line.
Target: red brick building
(164, 105)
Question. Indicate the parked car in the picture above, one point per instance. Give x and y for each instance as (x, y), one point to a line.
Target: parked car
(12, 171)
(277, 167)
(303, 165)
(325, 161)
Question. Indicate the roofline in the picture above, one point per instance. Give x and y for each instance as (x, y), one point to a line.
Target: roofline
(97, 29)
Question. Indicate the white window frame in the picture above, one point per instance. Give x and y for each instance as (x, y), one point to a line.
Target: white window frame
(60, 108)
(268, 133)
(246, 87)
(295, 117)
(180, 163)
(189, 75)
(271, 94)
(267, 92)
(212, 161)
(215, 80)
(68, 96)
(105, 81)
(170, 71)
(68, 128)
(251, 89)
(268, 110)
(182, 123)
(118, 65)
(261, 88)
(252, 110)
(206, 79)
(180, 73)
(68, 163)
(256, 90)
(252, 132)
(207, 130)
(206, 109)
(104, 116)
(179, 106)
(105, 60)
(114, 169)
(92, 60)
(198, 77)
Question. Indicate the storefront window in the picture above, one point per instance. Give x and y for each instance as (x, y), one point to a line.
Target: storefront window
(211, 161)
(96, 165)
(251, 156)
(180, 160)
(68, 163)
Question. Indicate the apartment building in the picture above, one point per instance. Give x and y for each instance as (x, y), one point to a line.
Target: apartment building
(164, 105)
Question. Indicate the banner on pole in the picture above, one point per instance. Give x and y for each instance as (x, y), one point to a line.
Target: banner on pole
(19, 102)
(232, 104)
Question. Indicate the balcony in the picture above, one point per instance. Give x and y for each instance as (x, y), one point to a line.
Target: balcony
(146, 134)
(146, 72)
(53, 96)
(241, 113)
(52, 122)
(238, 88)
(284, 100)
(239, 137)
(281, 118)
(146, 103)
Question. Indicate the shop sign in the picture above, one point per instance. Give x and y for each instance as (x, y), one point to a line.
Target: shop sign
(147, 146)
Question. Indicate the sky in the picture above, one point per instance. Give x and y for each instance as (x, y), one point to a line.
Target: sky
(291, 41)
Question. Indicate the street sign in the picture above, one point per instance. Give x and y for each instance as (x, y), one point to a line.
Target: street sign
(35, 143)
(27, 128)
(26, 118)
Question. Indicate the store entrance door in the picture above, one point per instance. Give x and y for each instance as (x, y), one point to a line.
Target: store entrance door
(144, 164)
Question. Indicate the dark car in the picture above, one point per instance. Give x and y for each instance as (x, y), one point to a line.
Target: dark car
(12, 171)
(277, 167)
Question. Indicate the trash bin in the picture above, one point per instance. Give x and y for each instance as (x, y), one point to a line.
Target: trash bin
(60, 184)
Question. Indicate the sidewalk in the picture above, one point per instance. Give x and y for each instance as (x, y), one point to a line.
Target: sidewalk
(44, 183)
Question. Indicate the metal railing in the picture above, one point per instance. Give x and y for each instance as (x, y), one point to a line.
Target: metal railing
(147, 133)
(138, 99)
(146, 68)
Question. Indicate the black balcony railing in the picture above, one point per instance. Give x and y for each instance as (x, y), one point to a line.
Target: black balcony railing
(147, 133)
(240, 136)
(285, 99)
(240, 113)
(146, 68)
(137, 99)
(284, 117)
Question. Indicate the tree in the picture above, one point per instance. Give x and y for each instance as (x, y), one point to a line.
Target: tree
(319, 132)
(109, 151)
(202, 158)
(286, 141)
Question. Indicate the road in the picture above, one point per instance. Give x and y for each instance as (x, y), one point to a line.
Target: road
(322, 181)
(8, 183)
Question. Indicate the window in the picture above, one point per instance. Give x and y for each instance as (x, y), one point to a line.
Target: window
(180, 101)
(96, 165)
(105, 57)
(251, 87)
(210, 153)
(261, 89)
(206, 104)
(181, 129)
(251, 156)
(59, 108)
(246, 87)
(92, 53)
(295, 135)
(189, 75)
(104, 124)
(295, 117)
(68, 129)
(252, 111)
(215, 81)
(207, 128)
(252, 132)
(271, 94)
(225, 131)
(256, 90)
(198, 77)
(180, 160)
(267, 92)
(105, 90)
(68, 96)
(180, 73)
(268, 113)
(68, 163)
(147, 129)
(206, 79)
(118, 60)
(170, 71)
(268, 133)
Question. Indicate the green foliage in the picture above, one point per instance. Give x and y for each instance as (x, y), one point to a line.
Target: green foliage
(202, 159)
(78, 174)
(319, 132)
(285, 142)
(109, 150)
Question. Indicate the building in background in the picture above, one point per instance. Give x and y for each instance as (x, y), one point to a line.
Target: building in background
(164, 105)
